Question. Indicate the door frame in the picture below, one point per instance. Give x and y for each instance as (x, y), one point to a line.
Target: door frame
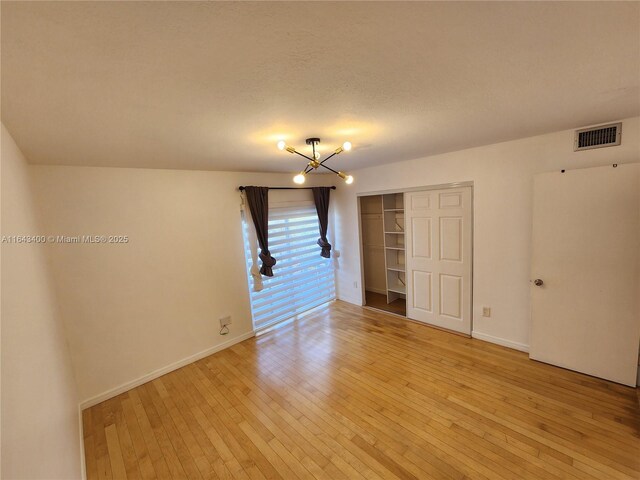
(440, 186)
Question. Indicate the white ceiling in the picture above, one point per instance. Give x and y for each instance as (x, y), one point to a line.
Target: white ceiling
(214, 85)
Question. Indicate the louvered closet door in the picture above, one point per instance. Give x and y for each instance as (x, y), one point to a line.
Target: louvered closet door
(438, 257)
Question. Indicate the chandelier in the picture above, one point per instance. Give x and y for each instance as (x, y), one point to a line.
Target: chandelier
(314, 160)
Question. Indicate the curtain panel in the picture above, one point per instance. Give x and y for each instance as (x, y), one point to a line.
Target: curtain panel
(258, 200)
(321, 199)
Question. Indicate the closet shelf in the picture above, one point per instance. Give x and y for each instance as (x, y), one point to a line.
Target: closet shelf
(394, 209)
(396, 268)
(395, 233)
(398, 289)
(395, 248)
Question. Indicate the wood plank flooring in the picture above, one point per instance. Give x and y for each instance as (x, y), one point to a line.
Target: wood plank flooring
(350, 393)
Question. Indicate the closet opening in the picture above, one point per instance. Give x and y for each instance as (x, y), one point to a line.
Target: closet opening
(417, 254)
(383, 247)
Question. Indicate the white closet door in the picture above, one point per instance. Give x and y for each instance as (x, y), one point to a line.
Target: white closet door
(586, 260)
(438, 257)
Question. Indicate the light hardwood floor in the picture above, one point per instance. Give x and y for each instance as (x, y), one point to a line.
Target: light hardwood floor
(347, 393)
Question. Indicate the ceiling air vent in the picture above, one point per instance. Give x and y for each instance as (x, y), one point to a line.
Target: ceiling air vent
(597, 137)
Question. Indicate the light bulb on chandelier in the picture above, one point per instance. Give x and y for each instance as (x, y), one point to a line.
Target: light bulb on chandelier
(299, 179)
(348, 179)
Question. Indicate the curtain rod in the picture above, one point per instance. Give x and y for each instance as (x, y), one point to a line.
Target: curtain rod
(241, 188)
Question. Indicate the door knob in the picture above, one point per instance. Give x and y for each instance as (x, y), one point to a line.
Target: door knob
(538, 282)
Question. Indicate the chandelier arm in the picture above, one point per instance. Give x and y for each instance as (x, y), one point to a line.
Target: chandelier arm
(303, 155)
(329, 168)
(334, 153)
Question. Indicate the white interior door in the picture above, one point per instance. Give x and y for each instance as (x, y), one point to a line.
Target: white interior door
(586, 252)
(438, 257)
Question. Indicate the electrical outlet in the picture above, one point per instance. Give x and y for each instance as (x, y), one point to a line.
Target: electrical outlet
(355, 284)
(224, 321)
(486, 311)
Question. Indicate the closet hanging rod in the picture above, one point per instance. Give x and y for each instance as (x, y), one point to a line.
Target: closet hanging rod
(242, 187)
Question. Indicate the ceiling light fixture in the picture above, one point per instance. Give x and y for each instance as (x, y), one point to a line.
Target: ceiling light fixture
(314, 160)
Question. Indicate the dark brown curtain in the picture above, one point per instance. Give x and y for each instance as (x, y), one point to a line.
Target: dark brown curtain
(258, 200)
(321, 199)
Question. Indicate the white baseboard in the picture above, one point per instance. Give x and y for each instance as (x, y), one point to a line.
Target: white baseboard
(501, 341)
(353, 301)
(162, 371)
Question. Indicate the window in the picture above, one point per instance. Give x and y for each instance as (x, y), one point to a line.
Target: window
(302, 279)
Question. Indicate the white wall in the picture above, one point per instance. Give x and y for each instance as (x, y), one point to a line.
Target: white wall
(503, 183)
(132, 309)
(40, 423)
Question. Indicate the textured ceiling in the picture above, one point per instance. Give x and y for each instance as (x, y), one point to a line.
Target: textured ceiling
(214, 85)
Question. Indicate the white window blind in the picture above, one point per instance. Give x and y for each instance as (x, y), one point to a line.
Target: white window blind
(302, 279)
